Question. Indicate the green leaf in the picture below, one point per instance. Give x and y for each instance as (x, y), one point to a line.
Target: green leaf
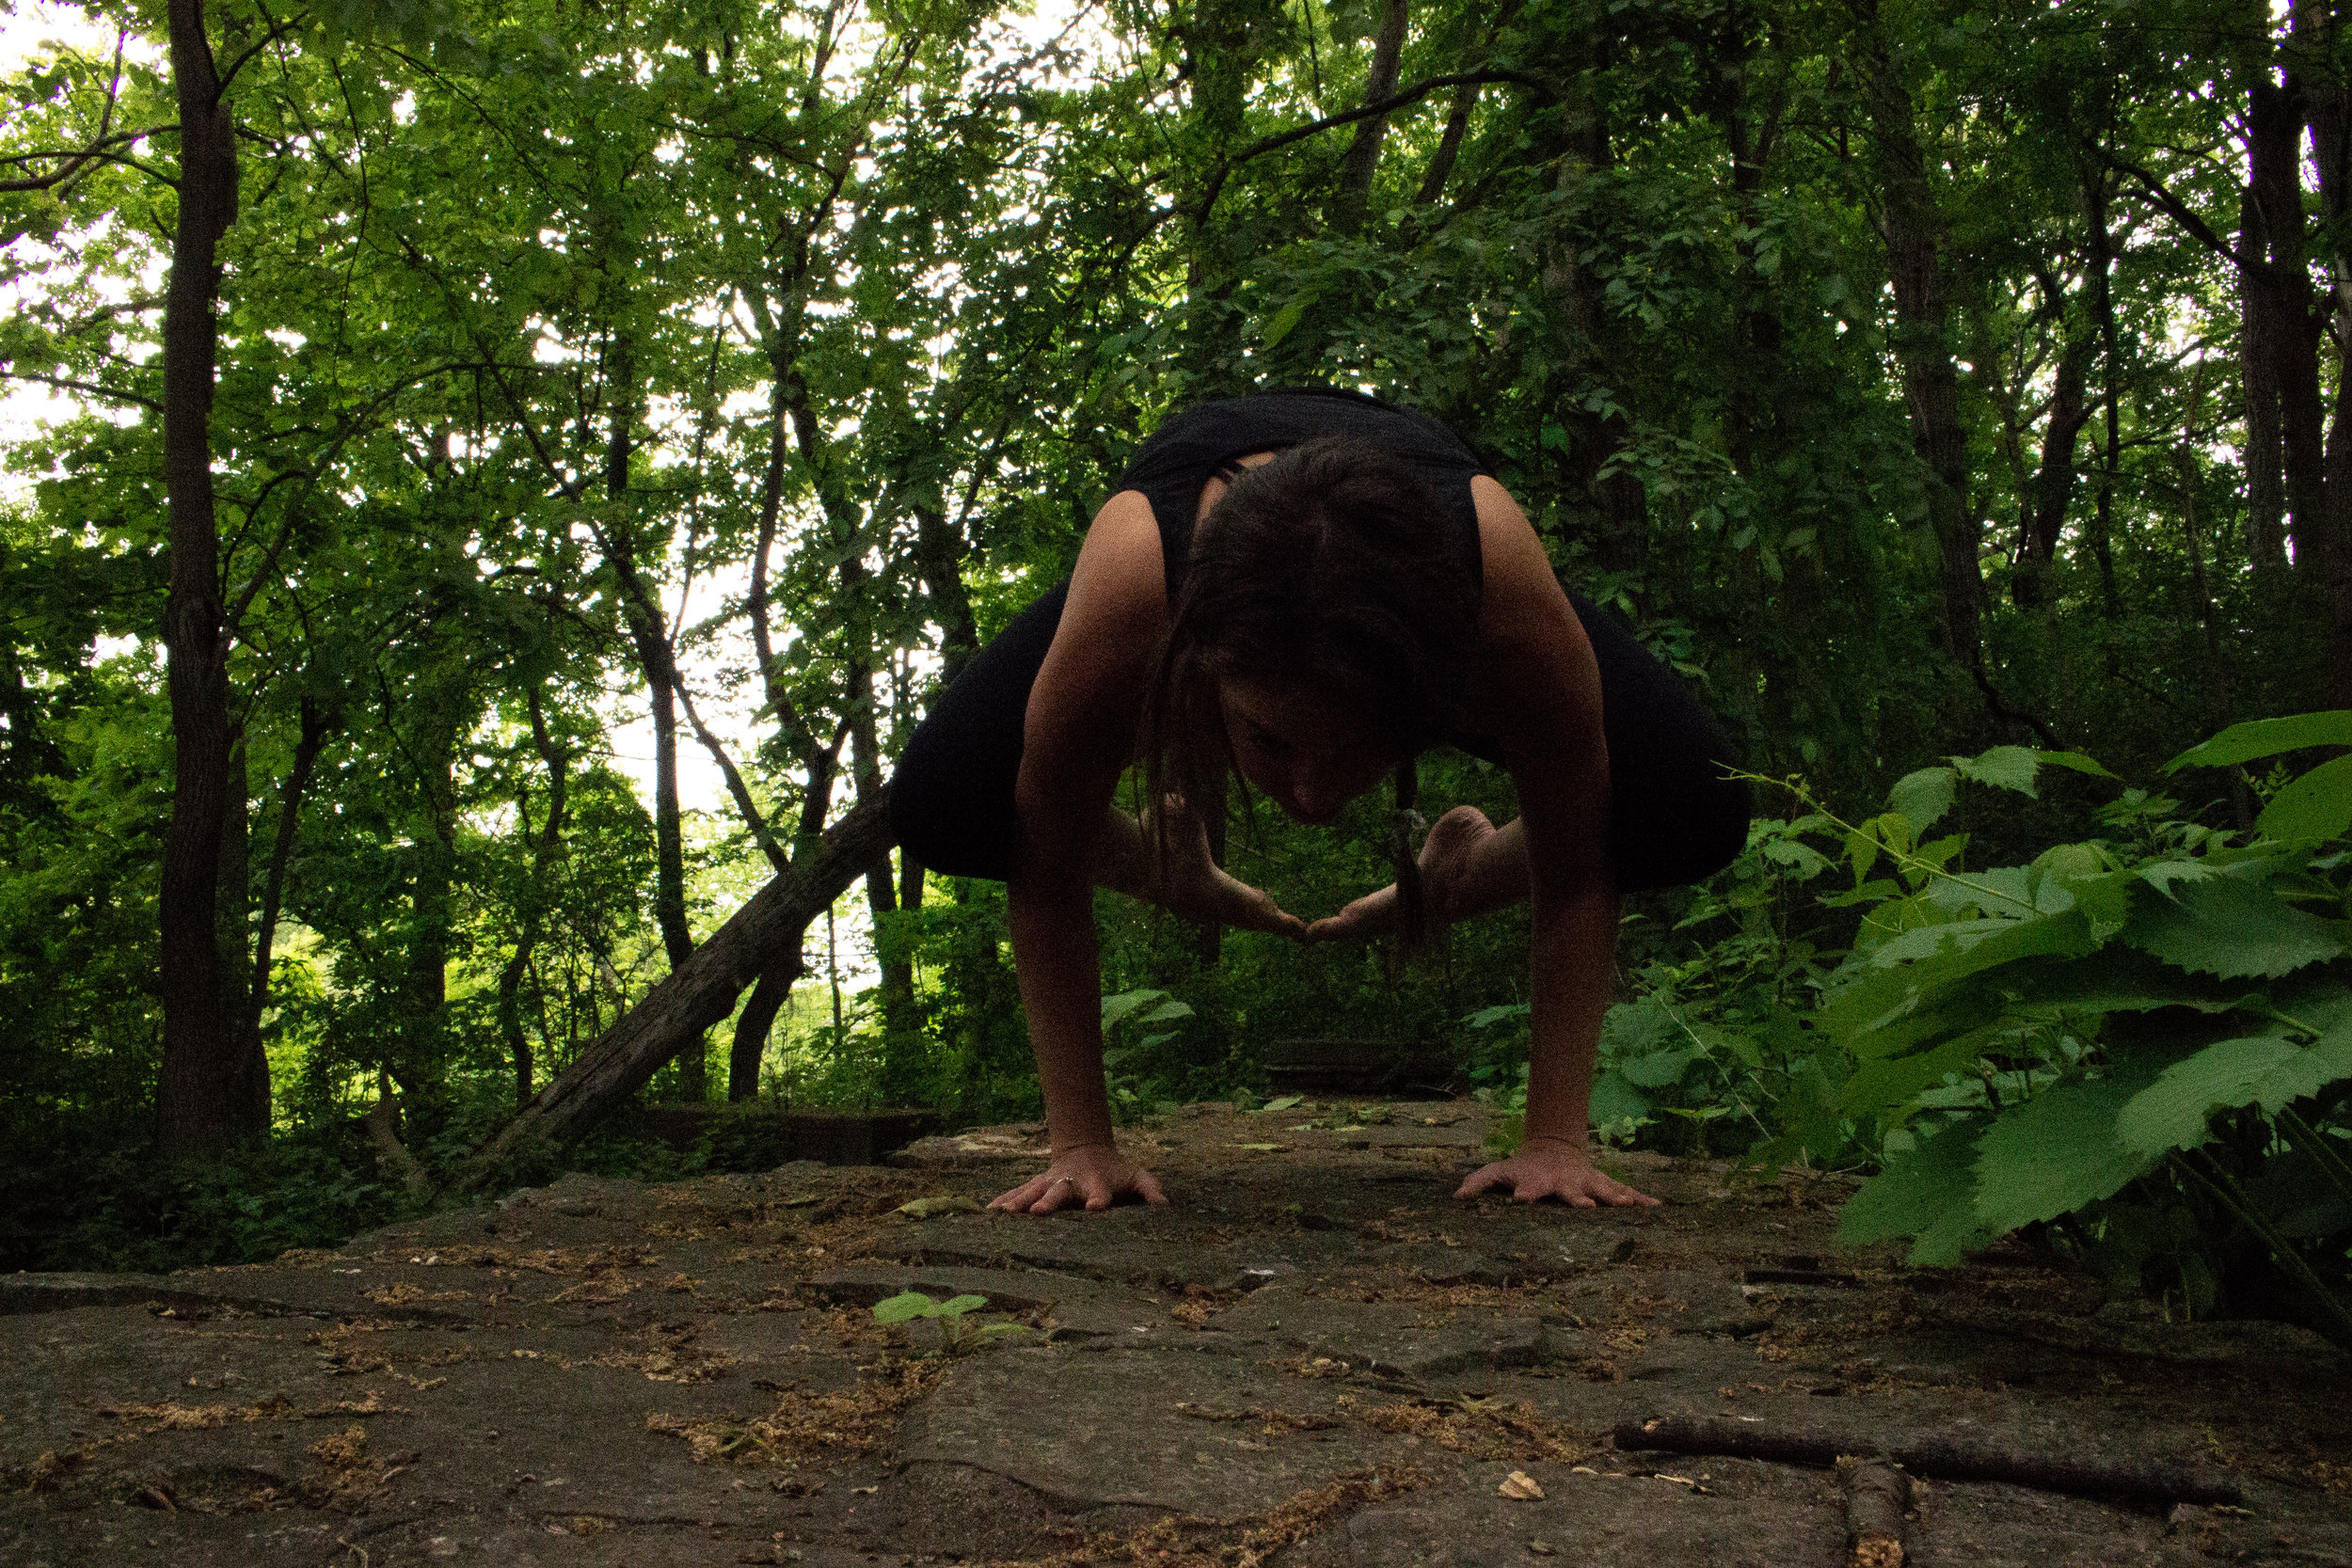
(1284, 1103)
(1659, 1068)
(1802, 859)
(1284, 319)
(1165, 1011)
(956, 1306)
(1925, 1194)
(2080, 762)
(2003, 767)
(1862, 851)
(2268, 1070)
(950, 1203)
(2060, 1151)
(2318, 805)
(2267, 738)
(1614, 1100)
(1486, 1016)
(1920, 798)
(2227, 925)
(905, 1307)
(1118, 1006)
(1879, 995)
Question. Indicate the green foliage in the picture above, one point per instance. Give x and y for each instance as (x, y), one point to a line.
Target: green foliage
(531, 314)
(2081, 1021)
(956, 1335)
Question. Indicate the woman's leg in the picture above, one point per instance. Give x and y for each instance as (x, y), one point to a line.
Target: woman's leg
(1675, 817)
(951, 799)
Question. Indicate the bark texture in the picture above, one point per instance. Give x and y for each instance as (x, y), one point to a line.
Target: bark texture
(203, 1102)
(1913, 233)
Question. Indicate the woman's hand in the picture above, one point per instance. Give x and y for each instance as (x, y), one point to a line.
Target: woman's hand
(1555, 1167)
(1456, 867)
(1096, 1175)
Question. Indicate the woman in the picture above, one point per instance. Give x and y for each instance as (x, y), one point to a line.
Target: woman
(1311, 588)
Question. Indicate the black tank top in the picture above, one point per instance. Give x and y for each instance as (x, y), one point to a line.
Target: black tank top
(1203, 442)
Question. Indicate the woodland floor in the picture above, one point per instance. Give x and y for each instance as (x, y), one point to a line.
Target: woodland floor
(1315, 1357)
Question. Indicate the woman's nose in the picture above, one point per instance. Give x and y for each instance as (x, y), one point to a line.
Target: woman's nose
(1316, 794)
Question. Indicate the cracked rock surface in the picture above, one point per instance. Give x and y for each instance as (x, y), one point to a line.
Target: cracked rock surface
(1316, 1356)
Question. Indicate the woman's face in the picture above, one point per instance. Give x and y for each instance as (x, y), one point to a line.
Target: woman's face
(1303, 750)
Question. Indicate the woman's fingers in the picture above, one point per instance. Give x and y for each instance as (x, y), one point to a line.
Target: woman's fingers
(1087, 1178)
(1372, 916)
(1255, 909)
(1533, 1178)
(1483, 1178)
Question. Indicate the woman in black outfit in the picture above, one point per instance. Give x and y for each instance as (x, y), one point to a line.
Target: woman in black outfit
(1311, 588)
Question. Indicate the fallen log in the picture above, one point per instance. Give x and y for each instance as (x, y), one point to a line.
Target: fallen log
(697, 994)
(1932, 1455)
(1877, 1499)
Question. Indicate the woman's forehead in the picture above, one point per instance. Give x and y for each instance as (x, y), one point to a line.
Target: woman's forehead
(1294, 705)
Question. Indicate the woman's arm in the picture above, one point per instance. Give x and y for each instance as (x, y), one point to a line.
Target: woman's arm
(1078, 735)
(1537, 685)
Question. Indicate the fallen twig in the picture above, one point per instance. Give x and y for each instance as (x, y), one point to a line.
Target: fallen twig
(1938, 1456)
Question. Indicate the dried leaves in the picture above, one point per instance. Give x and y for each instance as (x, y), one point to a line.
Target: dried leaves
(805, 1426)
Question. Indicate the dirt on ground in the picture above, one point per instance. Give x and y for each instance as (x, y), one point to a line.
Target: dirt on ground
(1315, 1356)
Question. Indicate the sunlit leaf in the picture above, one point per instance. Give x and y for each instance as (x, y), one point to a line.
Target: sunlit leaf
(2003, 767)
(905, 1307)
(2267, 738)
(1921, 799)
(2318, 805)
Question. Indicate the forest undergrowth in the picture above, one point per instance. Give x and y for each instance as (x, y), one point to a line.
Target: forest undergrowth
(2133, 1047)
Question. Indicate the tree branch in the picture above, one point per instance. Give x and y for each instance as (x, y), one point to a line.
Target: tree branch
(1395, 101)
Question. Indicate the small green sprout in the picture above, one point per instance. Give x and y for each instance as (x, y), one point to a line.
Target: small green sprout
(956, 1335)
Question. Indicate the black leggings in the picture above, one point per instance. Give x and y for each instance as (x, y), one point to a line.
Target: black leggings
(1673, 818)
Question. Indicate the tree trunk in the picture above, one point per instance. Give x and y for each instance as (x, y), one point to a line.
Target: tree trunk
(1620, 509)
(2054, 481)
(1913, 232)
(641, 611)
(1442, 162)
(2332, 144)
(537, 894)
(2257, 368)
(1363, 154)
(202, 1101)
(2275, 125)
(233, 924)
(316, 726)
(431, 892)
(2102, 260)
(697, 994)
(903, 1039)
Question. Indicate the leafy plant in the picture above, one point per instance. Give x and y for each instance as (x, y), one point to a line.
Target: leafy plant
(2152, 1024)
(1128, 1017)
(957, 1337)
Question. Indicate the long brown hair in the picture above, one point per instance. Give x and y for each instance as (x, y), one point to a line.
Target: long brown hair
(1328, 569)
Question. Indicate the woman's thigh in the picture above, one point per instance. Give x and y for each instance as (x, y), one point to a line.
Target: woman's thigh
(951, 799)
(1675, 817)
